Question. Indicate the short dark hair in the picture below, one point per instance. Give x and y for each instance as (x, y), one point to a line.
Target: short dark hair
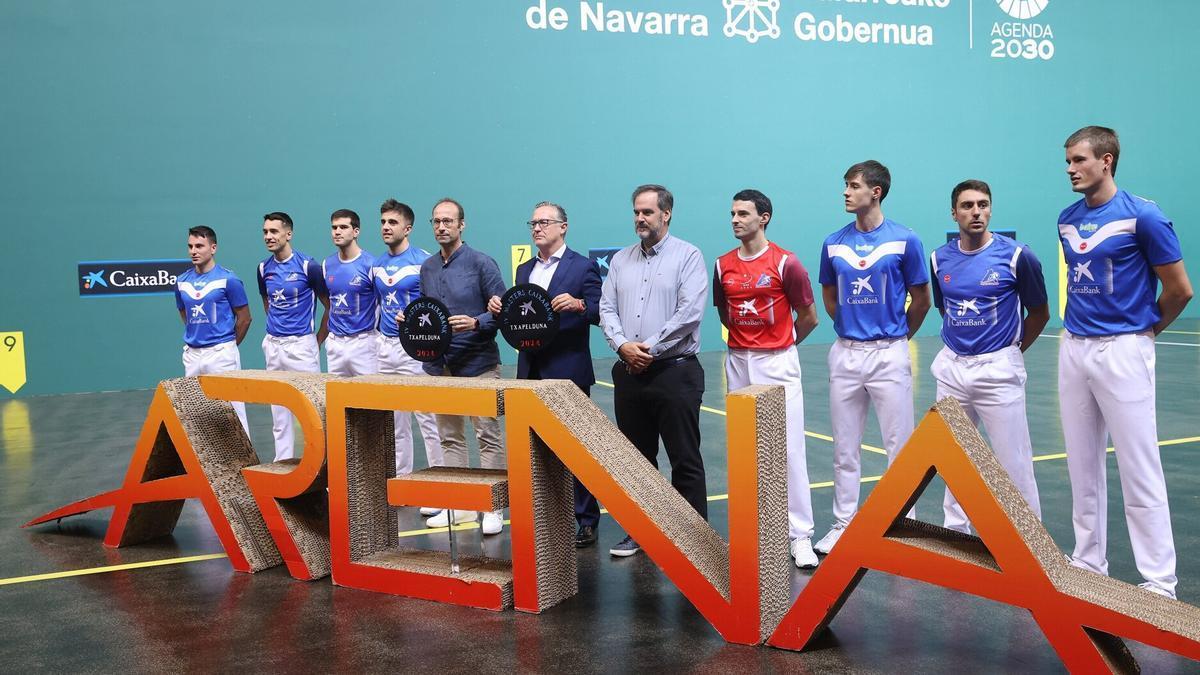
(462, 214)
(970, 184)
(762, 203)
(203, 231)
(281, 217)
(1104, 141)
(874, 175)
(562, 213)
(403, 209)
(345, 213)
(666, 200)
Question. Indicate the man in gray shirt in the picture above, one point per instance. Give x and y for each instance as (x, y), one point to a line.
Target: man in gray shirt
(464, 279)
(650, 309)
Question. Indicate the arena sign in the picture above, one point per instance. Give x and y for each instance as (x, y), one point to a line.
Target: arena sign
(192, 446)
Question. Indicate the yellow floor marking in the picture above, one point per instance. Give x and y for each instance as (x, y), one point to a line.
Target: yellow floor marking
(111, 568)
(810, 434)
(1174, 441)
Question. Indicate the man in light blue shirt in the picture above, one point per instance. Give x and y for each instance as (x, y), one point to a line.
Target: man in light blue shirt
(397, 278)
(352, 347)
(867, 269)
(1117, 247)
(992, 296)
(290, 284)
(216, 315)
(651, 305)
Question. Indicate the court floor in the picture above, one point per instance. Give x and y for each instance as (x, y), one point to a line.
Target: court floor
(67, 603)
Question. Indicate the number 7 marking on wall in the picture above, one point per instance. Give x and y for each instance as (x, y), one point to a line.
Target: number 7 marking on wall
(12, 361)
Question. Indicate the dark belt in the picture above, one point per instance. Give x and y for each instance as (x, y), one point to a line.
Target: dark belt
(663, 364)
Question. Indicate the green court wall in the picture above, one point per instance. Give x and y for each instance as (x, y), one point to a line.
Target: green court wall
(126, 122)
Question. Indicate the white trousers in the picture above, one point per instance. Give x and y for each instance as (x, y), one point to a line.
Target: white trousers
(393, 360)
(860, 374)
(220, 358)
(353, 355)
(744, 367)
(294, 353)
(991, 389)
(1106, 387)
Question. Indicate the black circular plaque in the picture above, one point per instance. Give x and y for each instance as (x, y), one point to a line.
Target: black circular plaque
(425, 333)
(526, 320)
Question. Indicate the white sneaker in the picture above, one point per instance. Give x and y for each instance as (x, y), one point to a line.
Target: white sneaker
(1153, 588)
(429, 511)
(825, 545)
(443, 518)
(802, 553)
(493, 522)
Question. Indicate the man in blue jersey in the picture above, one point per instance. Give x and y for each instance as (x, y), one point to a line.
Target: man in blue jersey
(867, 269)
(982, 284)
(1117, 248)
(290, 284)
(465, 279)
(352, 347)
(216, 315)
(398, 282)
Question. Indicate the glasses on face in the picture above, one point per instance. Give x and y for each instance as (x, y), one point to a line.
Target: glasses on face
(542, 224)
(442, 221)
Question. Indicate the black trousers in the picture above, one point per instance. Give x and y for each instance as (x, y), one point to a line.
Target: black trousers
(664, 402)
(587, 509)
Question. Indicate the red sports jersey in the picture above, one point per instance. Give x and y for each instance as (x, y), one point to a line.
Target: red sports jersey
(759, 295)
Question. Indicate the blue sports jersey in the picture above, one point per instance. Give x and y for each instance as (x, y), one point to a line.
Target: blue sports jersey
(207, 302)
(397, 283)
(1110, 251)
(290, 289)
(352, 306)
(981, 293)
(872, 272)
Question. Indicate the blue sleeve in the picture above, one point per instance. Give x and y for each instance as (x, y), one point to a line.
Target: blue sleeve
(826, 276)
(178, 300)
(591, 292)
(938, 302)
(490, 283)
(913, 262)
(1156, 236)
(262, 283)
(235, 293)
(316, 279)
(1031, 282)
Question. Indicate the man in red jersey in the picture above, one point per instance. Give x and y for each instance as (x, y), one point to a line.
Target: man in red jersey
(757, 287)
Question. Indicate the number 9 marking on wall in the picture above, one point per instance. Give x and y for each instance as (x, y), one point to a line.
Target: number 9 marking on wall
(12, 361)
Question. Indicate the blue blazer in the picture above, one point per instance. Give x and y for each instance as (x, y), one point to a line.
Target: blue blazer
(569, 355)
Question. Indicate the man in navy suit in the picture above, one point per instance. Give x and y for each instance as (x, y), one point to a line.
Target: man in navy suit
(573, 283)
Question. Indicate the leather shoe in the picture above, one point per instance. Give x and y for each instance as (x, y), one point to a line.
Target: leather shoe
(585, 537)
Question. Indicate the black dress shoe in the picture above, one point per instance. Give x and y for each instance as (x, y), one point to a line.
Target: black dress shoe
(585, 537)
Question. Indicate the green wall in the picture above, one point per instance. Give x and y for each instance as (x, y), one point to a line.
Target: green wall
(126, 122)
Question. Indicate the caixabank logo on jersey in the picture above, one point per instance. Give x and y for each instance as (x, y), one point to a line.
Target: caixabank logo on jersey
(129, 277)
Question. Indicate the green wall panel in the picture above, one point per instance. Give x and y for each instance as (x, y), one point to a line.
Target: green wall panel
(126, 122)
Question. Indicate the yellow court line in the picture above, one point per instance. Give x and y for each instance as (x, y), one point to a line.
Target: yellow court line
(810, 434)
(111, 568)
(1173, 441)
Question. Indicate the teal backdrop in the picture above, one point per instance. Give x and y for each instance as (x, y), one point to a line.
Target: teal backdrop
(126, 122)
